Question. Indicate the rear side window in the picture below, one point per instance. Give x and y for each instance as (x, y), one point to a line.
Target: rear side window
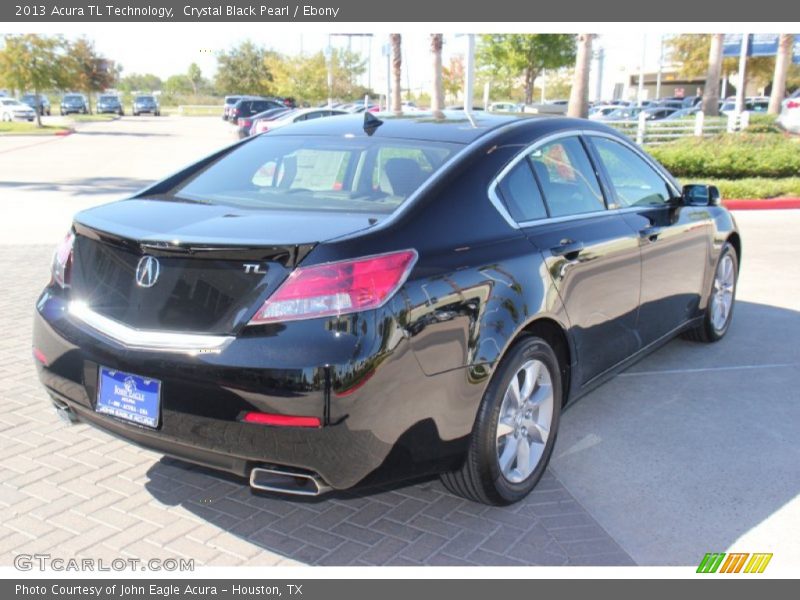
(567, 178)
(521, 195)
(635, 182)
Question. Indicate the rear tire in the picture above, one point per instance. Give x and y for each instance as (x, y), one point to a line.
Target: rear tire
(512, 440)
(720, 301)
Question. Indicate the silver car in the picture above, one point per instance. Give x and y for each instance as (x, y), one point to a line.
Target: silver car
(13, 110)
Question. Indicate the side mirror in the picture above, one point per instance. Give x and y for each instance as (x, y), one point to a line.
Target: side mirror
(700, 195)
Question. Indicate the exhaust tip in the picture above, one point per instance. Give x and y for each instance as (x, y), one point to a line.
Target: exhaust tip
(282, 480)
(64, 412)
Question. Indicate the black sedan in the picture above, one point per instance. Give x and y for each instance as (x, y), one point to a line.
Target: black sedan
(353, 300)
(146, 104)
(74, 103)
(109, 103)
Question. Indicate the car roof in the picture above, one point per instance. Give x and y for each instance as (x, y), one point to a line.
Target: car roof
(449, 126)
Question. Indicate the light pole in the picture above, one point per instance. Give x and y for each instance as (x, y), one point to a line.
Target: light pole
(640, 91)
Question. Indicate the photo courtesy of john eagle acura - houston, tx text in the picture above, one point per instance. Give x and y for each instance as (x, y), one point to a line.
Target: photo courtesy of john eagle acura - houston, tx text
(363, 299)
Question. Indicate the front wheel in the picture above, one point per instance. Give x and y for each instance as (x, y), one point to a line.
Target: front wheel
(515, 430)
(721, 299)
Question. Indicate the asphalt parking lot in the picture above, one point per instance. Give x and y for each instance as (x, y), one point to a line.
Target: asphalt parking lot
(692, 450)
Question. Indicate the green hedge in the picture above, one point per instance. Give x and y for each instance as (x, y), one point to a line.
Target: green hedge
(731, 156)
(754, 187)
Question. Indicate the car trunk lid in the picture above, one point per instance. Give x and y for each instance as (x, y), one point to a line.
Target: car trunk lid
(193, 268)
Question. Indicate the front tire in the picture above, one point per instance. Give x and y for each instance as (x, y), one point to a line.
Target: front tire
(721, 299)
(515, 430)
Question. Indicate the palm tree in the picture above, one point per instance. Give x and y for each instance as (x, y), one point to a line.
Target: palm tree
(579, 95)
(437, 91)
(782, 62)
(711, 89)
(397, 66)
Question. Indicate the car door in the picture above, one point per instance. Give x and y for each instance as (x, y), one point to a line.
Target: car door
(674, 239)
(591, 253)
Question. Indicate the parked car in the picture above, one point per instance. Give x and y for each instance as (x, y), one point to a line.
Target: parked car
(751, 105)
(40, 104)
(13, 110)
(623, 113)
(683, 113)
(601, 112)
(357, 299)
(146, 103)
(504, 107)
(110, 103)
(247, 107)
(245, 124)
(295, 116)
(789, 119)
(658, 113)
(230, 101)
(74, 103)
(692, 101)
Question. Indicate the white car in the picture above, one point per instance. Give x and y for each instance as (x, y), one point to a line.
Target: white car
(13, 110)
(295, 116)
(504, 107)
(789, 119)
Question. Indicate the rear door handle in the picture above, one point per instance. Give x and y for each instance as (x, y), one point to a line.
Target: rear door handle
(651, 233)
(569, 249)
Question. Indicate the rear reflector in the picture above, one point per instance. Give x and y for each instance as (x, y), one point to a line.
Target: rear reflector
(39, 355)
(337, 288)
(260, 418)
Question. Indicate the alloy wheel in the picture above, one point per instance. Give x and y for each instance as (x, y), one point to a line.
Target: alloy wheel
(526, 416)
(722, 294)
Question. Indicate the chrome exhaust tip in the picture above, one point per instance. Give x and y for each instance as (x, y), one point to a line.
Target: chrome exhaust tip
(284, 480)
(64, 412)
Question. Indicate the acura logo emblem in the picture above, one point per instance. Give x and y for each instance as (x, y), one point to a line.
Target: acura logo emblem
(147, 271)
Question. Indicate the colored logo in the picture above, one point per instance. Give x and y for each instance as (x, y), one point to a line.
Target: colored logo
(734, 562)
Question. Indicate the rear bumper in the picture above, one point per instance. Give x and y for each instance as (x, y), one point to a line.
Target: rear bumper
(382, 417)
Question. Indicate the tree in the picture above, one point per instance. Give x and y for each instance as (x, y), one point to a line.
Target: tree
(243, 70)
(711, 88)
(579, 95)
(453, 76)
(90, 72)
(136, 82)
(195, 77)
(782, 62)
(437, 88)
(397, 68)
(507, 57)
(34, 63)
(691, 52)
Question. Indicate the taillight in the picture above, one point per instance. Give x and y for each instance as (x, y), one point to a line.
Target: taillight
(261, 127)
(337, 288)
(62, 261)
(793, 104)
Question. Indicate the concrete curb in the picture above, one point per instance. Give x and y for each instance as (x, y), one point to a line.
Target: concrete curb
(764, 204)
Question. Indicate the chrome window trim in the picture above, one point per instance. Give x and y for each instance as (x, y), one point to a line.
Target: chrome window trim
(142, 339)
(497, 202)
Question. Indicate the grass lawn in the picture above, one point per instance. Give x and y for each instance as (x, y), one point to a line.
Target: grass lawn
(26, 128)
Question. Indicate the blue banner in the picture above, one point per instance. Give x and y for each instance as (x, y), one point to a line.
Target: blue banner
(759, 44)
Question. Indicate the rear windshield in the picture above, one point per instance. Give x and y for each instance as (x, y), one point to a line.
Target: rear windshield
(108, 98)
(145, 99)
(73, 97)
(232, 99)
(309, 173)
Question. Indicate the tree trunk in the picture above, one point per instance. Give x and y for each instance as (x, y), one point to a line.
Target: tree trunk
(711, 91)
(782, 62)
(528, 86)
(397, 68)
(437, 90)
(579, 95)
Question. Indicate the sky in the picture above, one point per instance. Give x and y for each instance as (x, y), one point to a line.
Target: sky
(169, 48)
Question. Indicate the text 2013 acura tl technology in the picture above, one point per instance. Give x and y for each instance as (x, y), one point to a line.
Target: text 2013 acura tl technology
(357, 299)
